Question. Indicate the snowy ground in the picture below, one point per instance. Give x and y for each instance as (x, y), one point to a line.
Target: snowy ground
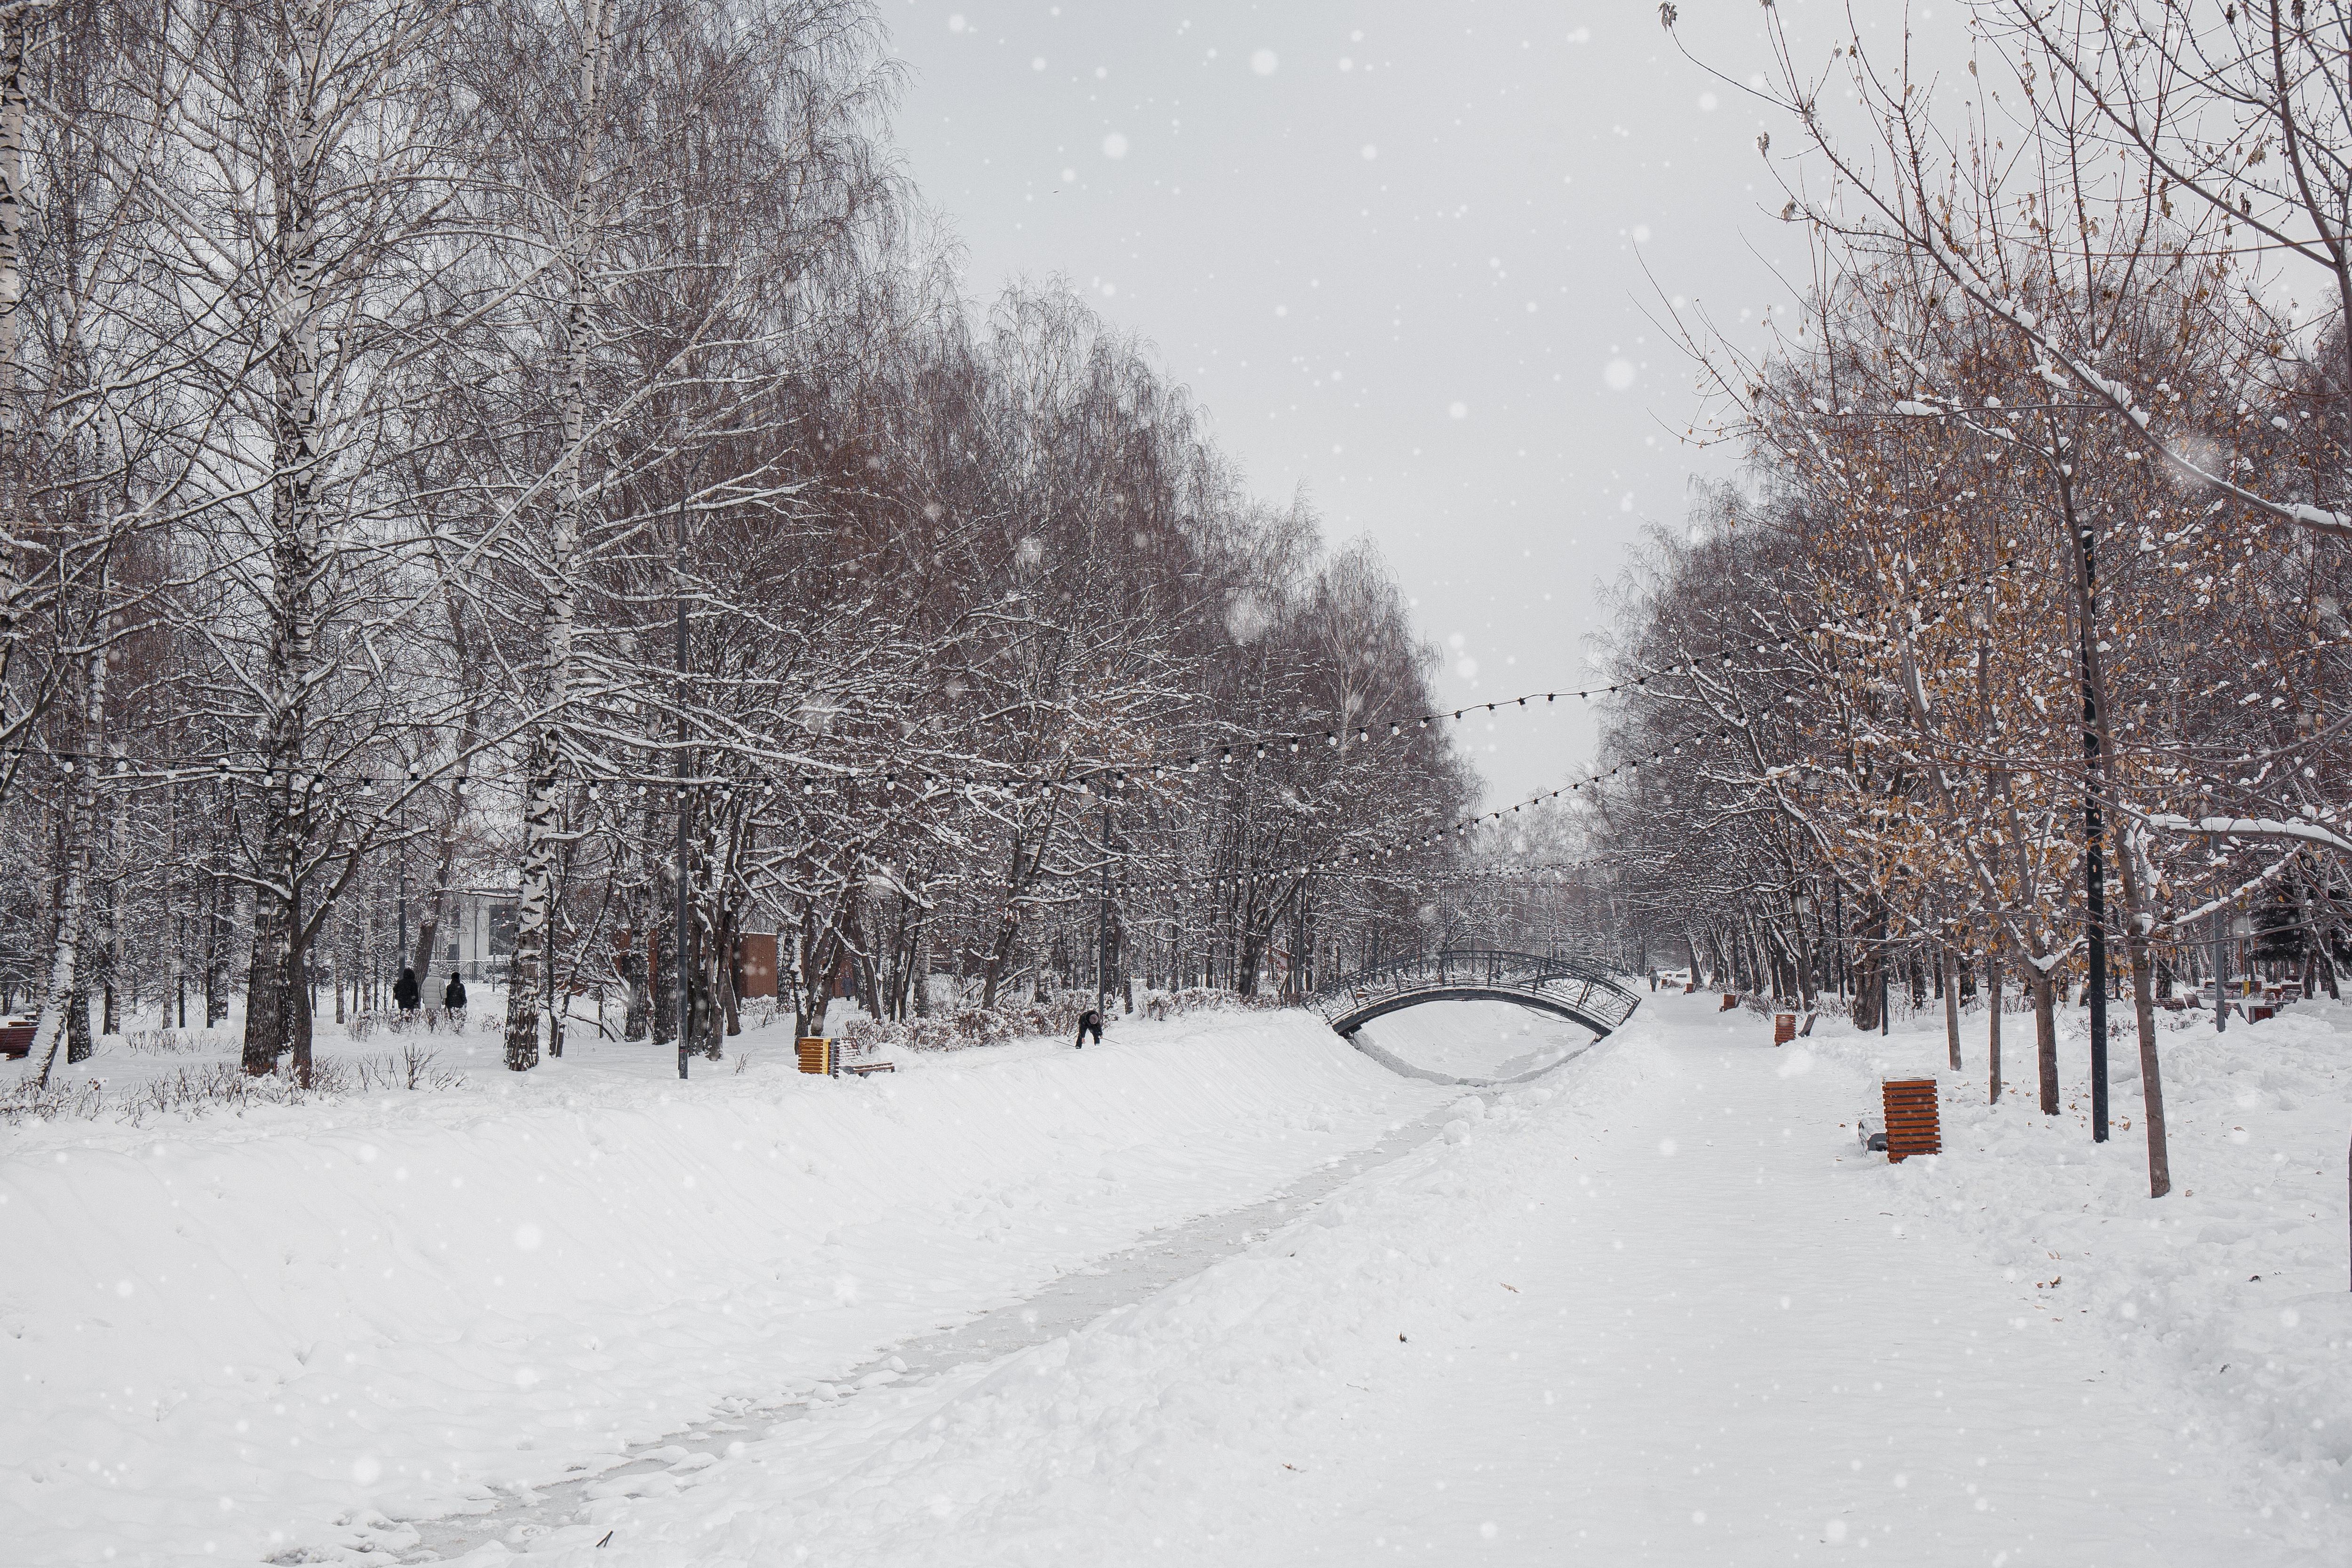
(221, 1336)
(1658, 1308)
(1655, 1307)
(1481, 1040)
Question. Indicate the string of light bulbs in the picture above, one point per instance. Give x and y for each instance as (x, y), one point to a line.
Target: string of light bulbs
(973, 773)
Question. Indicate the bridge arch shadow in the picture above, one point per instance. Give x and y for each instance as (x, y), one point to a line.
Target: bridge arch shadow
(1569, 988)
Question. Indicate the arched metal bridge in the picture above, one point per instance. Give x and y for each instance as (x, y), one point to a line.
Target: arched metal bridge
(1574, 988)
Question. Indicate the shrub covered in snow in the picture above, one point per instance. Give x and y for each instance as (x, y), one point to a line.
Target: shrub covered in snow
(203, 1087)
(1013, 1021)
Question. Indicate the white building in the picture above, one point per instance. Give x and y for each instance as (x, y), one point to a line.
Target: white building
(477, 934)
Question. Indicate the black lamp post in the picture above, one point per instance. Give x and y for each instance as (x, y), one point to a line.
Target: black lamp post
(678, 963)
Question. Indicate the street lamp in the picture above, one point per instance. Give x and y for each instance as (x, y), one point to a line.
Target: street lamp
(677, 957)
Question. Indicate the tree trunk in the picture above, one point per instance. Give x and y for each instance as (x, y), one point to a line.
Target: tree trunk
(79, 1047)
(533, 967)
(73, 892)
(1865, 1009)
(15, 22)
(1000, 957)
(1948, 979)
(2046, 1039)
(436, 902)
(2151, 1082)
(535, 906)
(1992, 1023)
(276, 1016)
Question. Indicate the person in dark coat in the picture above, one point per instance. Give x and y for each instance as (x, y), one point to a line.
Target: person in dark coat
(453, 1000)
(403, 991)
(1089, 1022)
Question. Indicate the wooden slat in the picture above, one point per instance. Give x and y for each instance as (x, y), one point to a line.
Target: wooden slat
(1913, 1117)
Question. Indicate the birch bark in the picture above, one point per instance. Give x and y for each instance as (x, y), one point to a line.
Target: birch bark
(276, 1019)
(51, 1032)
(529, 996)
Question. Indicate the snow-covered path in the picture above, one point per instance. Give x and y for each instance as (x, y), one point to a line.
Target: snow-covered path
(1656, 1308)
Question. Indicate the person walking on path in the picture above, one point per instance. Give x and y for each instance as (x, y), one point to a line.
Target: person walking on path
(403, 991)
(453, 1000)
(1089, 1022)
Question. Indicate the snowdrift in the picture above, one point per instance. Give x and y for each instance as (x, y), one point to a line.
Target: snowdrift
(2232, 1289)
(219, 1335)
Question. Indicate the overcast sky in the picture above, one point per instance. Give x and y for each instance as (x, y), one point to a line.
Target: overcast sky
(1406, 255)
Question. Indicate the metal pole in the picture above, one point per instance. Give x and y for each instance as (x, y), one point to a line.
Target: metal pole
(678, 965)
(1885, 1024)
(1102, 935)
(2220, 963)
(2094, 873)
(1837, 916)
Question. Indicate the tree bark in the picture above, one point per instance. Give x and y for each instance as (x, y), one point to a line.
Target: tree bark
(2151, 1082)
(73, 894)
(1992, 1025)
(277, 1017)
(2046, 1039)
(530, 988)
(1948, 978)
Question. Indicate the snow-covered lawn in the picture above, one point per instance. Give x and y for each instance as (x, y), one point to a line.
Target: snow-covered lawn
(1660, 1308)
(219, 1336)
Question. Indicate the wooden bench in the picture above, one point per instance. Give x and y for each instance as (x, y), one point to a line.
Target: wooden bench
(1912, 1122)
(1784, 1027)
(822, 1053)
(15, 1038)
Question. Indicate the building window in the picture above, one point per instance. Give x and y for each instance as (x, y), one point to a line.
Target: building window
(502, 930)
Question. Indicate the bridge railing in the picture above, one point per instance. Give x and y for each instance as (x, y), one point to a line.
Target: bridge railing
(1597, 995)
